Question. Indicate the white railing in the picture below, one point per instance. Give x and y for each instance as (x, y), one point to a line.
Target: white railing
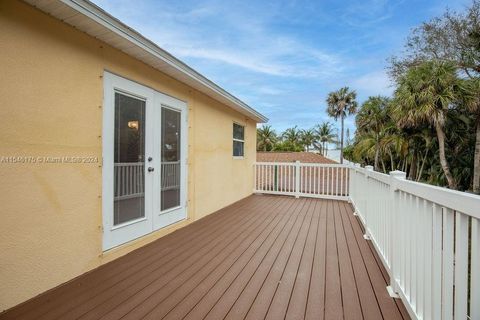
(130, 178)
(170, 175)
(302, 179)
(428, 239)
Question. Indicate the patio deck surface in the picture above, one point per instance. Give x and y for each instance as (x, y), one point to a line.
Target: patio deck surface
(264, 257)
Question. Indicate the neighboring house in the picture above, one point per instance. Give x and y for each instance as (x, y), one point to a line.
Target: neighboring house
(334, 155)
(108, 143)
(304, 157)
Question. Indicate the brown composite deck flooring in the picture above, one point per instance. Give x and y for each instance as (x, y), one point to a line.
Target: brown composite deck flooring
(264, 257)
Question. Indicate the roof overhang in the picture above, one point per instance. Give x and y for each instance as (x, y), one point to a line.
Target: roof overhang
(91, 19)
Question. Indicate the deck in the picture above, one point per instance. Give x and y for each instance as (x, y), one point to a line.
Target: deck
(264, 257)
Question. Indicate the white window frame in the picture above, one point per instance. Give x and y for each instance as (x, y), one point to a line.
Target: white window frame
(239, 140)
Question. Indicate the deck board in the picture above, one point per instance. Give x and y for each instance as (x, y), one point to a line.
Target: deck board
(315, 308)
(351, 305)
(264, 257)
(298, 300)
(260, 306)
(365, 290)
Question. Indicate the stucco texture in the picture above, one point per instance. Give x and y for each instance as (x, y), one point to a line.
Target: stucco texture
(51, 95)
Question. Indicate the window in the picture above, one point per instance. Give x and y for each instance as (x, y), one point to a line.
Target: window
(238, 140)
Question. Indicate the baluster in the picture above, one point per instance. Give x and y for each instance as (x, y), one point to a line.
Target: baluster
(475, 270)
(336, 181)
(310, 180)
(328, 181)
(461, 266)
(342, 193)
(436, 264)
(323, 181)
(264, 177)
(447, 263)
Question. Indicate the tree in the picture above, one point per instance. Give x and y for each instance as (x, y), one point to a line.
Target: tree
(341, 103)
(266, 138)
(292, 135)
(424, 95)
(347, 137)
(437, 138)
(287, 146)
(453, 37)
(325, 135)
(371, 121)
(307, 138)
(471, 101)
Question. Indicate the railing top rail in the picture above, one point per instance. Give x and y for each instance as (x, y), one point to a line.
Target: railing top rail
(126, 164)
(357, 168)
(305, 164)
(385, 178)
(463, 202)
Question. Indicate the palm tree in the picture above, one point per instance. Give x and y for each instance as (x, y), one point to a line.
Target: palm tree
(266, 138)
(472, 96)
(292, 135)
(365, 146)
(325, 136)
(307, 137)
(395, 145)
(424, 95)
(341, 103)
(371, 120)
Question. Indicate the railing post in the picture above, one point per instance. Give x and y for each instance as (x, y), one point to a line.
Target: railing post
(356, 193)
(367, 235)
(395, 176)
(349, 187)
(254, 177)
(297, 179)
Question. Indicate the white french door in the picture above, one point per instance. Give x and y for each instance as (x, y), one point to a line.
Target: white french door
(144, 160)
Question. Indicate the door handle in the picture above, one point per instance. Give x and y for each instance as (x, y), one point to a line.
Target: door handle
(150, 169)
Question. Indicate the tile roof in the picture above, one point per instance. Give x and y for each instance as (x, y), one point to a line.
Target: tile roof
(308, 157)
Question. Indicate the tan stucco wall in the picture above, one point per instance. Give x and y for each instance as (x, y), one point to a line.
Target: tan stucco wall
(51, 93)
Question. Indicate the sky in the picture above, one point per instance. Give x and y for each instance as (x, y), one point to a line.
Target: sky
(284, 57)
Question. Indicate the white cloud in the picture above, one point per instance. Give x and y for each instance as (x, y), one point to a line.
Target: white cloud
(368, 12)
(245, 38)
(272, 60)
(267, 90)
(373, 83)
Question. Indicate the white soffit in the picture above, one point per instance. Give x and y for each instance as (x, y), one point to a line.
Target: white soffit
(91, 19)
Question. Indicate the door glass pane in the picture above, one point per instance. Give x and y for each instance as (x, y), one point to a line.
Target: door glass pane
(170, 177)
(129, 158)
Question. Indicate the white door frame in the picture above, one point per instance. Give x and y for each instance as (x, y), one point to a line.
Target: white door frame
(154, 219)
